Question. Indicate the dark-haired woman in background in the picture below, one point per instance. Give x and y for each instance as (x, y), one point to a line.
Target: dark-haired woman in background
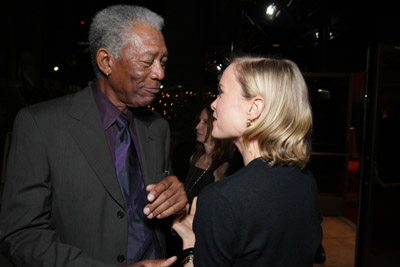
(212, 158)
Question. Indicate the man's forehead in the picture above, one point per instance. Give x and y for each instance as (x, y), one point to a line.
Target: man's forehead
(146, 38)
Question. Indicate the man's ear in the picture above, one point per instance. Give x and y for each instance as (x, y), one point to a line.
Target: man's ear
(255, 108)
(104, 61)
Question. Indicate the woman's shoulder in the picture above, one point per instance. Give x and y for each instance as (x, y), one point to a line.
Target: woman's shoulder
(225, 187)
(257, 174)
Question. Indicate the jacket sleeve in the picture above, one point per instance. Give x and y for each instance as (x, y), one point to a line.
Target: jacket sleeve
(215, 230)
(27, 235)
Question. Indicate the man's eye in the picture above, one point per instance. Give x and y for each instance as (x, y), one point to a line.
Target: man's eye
(147, 63)
(163, 63)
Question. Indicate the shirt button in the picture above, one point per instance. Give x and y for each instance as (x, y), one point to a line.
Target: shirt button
(120, 214)
(120, 258)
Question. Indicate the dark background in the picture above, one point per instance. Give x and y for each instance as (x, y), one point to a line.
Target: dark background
(38, 35)
(328, 39)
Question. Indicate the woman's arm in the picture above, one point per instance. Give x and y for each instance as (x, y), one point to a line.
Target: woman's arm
(184, 227)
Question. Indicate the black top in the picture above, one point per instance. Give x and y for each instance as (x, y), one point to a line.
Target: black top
(196, 180)
(259, 216)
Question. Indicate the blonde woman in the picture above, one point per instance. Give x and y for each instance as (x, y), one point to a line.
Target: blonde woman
(267, 213)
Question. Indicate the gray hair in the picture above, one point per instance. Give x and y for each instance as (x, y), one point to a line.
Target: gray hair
(107, 29)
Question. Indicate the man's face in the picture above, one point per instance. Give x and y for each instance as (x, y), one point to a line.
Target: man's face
(136, 76)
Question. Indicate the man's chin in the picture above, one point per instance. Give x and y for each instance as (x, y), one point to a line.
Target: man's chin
(146, 101)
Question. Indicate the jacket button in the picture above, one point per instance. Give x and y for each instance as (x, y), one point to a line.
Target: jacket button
(120, 214)
(120, 258)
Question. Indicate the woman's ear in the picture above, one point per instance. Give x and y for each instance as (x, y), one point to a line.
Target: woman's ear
(256, 107)
(104, 61)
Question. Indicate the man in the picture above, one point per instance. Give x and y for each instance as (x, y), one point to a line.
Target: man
(64, 203)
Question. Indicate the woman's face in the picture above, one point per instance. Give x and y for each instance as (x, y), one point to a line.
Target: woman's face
(229, 108)
(201, 127)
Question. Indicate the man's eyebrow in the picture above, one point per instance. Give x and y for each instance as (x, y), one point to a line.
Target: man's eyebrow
(153, 53)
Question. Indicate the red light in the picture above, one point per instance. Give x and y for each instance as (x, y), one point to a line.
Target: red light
(82, 22)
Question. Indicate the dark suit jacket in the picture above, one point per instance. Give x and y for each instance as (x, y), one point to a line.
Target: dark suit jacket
(62, 204)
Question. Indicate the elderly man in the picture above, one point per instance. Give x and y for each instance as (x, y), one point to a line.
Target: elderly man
(87, 179)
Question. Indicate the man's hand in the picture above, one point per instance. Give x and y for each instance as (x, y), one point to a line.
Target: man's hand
(154, 263)
(165, 198)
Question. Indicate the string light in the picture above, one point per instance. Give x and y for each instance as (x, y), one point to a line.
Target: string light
(171, 102)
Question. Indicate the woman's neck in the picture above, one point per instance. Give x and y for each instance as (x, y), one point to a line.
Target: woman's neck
(249, 152)
(208, 149)
(205, 160)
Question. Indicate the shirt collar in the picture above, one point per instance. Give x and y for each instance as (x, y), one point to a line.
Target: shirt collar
(108, 112)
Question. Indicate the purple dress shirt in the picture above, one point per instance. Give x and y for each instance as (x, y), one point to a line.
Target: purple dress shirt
(108, 114)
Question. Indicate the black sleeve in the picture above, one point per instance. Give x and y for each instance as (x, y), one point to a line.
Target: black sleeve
(214, 228)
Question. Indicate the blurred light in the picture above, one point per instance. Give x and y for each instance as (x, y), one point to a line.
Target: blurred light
(324, 94)
(161, 86)
(82, 22)
(276, 45)
(56, 68)
(272, 11)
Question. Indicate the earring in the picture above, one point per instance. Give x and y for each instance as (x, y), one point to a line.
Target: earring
(249, 123)
(108, 75)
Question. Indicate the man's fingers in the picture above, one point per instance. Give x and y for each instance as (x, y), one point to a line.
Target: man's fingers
(168, 262)
(166, 198)
(156, 189)
(155, 263)
(167, 209)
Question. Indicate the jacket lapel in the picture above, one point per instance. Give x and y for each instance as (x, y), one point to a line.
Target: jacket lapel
(147, 147)
(89, 135)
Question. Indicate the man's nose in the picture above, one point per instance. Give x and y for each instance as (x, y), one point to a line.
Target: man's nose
(157, 71)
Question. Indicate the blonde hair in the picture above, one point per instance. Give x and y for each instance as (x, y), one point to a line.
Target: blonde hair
(283, 130)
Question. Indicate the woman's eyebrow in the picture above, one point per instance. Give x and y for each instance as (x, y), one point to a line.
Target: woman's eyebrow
(219, 88)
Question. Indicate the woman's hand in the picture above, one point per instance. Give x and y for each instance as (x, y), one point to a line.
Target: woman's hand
(183, 225)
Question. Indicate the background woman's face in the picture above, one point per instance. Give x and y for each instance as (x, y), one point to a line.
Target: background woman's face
(201, 127)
